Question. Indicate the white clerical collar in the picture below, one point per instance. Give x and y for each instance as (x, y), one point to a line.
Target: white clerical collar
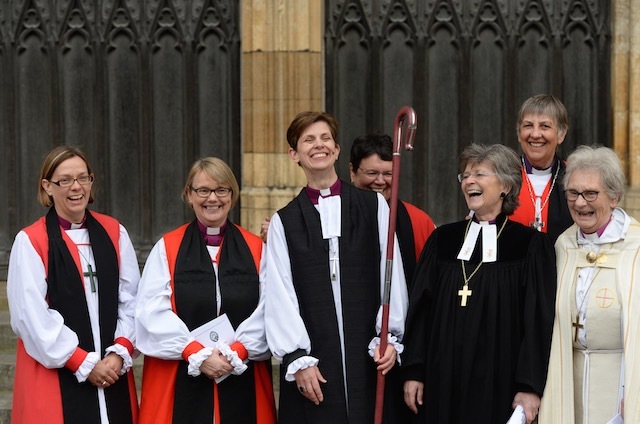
(330, 209)
(536, 171)
(616, 230)
(489, 241)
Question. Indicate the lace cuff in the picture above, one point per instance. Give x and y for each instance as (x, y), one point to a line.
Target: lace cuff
(86, 367)
(196, 360)
(123, 352)
(391, 340)
(232, 356)
(301, 363)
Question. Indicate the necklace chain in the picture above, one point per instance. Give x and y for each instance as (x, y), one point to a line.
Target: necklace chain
(592, 277)
(532, 192)
(464, 271)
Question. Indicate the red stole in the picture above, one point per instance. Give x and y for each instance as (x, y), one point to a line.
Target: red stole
(36, 391)
(156, 405)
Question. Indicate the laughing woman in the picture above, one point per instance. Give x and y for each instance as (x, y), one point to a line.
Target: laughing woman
(194, 274)
(72, 282)
(481, 310)
(593, 371)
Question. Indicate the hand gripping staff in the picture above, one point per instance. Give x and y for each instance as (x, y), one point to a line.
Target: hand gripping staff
(405, 117)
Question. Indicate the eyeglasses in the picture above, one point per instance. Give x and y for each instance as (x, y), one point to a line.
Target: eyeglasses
(588, 195)
(373, 174)
(68, 182)
(206, 192)
(476, 175)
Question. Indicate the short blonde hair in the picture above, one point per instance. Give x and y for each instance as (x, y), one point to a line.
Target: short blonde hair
(51, 163)
(217, 170)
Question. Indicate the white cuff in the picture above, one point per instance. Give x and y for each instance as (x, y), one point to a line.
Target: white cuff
(86, 366)
(232, 356)
(392, 340)
(196, 360)
(121, 351)
(301, 363)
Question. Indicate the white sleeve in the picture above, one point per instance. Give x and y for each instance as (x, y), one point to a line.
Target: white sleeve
(285, 329)
(159, 331)
(251, 332)
(399, 300)
(128, 289)
(42, 330)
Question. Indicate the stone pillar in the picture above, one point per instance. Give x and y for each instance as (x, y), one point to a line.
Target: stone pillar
(625, 86)
(282, 74)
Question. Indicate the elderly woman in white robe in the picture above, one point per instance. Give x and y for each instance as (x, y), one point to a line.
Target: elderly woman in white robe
(593, 368)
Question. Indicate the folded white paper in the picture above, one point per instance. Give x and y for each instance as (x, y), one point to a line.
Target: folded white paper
(616, 420)
(218, 329)
(211, 333)
(518, 416)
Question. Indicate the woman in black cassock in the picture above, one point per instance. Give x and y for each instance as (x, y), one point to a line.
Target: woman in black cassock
(481, 311)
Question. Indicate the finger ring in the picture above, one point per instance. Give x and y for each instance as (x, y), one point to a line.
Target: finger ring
(301, 388)
(104, 383)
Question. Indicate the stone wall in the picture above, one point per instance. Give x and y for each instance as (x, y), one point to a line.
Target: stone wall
(282, 75)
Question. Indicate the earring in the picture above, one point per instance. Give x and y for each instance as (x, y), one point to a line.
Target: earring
(503, 195)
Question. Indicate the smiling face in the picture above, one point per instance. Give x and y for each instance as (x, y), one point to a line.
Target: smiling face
(482, 189)
(589, 216)
(70, 202)
(373, 174)
(316, 149)
(212, 211)
(539, 138)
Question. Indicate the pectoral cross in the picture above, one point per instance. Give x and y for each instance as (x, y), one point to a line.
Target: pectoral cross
(577, 326)
(464, 294)
(334, 267)
(537, 224)
(91, 274)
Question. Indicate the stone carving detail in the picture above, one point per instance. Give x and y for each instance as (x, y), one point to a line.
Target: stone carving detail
(132, 82)
(465, 66)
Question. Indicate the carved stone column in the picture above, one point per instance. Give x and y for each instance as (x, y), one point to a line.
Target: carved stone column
(282, 74)
(626, 95)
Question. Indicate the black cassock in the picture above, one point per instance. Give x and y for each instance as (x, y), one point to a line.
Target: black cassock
(474, 359)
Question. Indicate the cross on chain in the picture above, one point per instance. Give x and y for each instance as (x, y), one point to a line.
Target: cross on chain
(537, 224)
(464, 294)
(577, 326)
(91, 274)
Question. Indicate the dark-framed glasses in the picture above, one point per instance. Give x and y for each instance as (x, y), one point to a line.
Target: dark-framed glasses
(373, 174)
(587, 195)
(68, 182)
(475, 175)
(206, 192)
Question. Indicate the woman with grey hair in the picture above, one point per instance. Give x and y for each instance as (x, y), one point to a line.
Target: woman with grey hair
(593, 370)
(541, 127)
(479, 325)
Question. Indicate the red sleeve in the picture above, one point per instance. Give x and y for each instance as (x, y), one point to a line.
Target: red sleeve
(126, 343)
(191, 348)
(76, 359)
(240, 350)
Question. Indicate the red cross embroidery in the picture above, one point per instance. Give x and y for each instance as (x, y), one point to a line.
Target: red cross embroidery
(604, 298)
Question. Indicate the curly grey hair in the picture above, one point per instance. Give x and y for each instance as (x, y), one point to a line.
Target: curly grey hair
(506, 164)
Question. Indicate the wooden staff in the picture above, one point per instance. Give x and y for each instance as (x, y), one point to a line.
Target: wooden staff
(407, 116)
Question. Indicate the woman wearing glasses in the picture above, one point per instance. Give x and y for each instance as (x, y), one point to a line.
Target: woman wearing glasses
(72, 281)
(480, 314)
(593, 370)
(194, 274)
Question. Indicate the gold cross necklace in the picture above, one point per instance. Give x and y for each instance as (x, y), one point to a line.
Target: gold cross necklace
(577, 324)
(465, 293)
